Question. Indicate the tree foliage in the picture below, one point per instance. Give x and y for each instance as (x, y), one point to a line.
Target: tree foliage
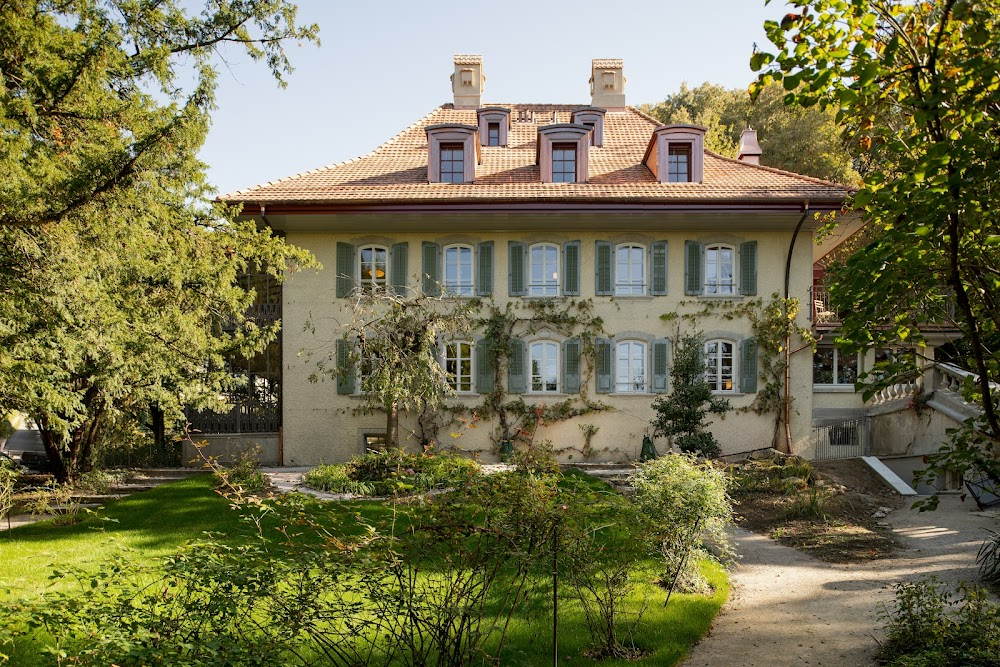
(118, 277)
(681, 414)
(801, 140)
(915, 87)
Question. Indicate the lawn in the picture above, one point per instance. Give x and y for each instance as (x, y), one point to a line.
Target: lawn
(154, 524)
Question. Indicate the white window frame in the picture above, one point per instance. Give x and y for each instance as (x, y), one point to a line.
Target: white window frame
(631, 282)
(457, 287)
(721, 289)
(451, 354)
(714, 366)
(625, 370)
(547, 353)
(549, 286)
(837, 380)
(373, 282)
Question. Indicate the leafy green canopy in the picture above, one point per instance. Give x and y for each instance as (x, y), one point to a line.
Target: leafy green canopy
(915, 86)
(801, 140)
(117, 275)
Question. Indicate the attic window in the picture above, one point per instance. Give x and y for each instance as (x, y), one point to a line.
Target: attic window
(562, 154)
(676, 154)
(452, 153)
(494, 123)
(592, 117)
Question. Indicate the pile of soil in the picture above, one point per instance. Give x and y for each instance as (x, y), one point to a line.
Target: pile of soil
(853, 501)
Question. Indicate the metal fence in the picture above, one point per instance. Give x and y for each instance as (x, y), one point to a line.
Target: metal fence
(142, 456)
(843, 440)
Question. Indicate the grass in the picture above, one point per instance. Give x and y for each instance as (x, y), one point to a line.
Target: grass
(155, 523)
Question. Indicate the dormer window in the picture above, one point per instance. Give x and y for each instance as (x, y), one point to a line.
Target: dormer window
(452, 153)
(679, 163)
(593, 118)
(676, 154)
(564, 163)
(562, 153)
(494, 124)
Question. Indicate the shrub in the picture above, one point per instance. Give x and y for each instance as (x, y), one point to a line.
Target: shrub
(808, 504)
(928, 626)
(9, 472)
(988, 558)
(685, 501)
(784, 476)
(244, 476)
(335, 479)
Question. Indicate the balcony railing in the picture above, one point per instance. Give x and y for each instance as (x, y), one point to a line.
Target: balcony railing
(824, 314)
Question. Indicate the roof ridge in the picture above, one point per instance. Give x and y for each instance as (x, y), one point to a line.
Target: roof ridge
(783, 172)
(642, 114)
(371, 153)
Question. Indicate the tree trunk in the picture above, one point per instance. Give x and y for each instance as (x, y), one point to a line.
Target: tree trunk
(392, 426)
(159, 428)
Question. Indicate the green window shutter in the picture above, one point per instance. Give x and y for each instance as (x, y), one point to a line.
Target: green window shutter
(571, 268)
(431, 270)
(346, 269)
(517, 381)
(484, 268)
(604, 362)
(658, 269)
(485, 376)
(661, 365)
(571, 366)
(694, 266)
(748, 268)
(399, 254)
(604, 269)
(346, 372)
(748, 366)
(518, 267)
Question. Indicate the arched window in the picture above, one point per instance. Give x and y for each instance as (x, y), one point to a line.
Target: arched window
(458, 271)
(720, 370)
(458, 365)
(373, 267)
(630, 367)
(720, 269)
(544, 367)
(543, 270)
(630, 270)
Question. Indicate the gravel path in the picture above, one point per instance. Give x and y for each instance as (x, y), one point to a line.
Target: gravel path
(789, 609)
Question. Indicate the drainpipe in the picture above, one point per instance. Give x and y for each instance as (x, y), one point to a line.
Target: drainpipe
(788, 338)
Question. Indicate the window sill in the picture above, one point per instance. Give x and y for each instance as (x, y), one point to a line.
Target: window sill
(542, 394)
(833, 388)
(633, 297)
(729, 297)
(728, 394)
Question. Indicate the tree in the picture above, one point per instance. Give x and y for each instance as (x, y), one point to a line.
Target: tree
(395, 341)
(118, 276)
(801, 140)
(914, 86)
(682, 413)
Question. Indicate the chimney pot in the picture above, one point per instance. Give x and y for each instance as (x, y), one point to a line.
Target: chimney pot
(749, 148)
(468, 81)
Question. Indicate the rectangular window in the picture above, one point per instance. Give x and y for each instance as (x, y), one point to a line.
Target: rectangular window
(493, 134)
(375, 442)
(831, 366)
(630, 368)
(452, 163)
(543, 270)
(719, 365)
(720, 270)
(374, 268)
(630, 270)
(544, 367)
(458, 271)
(679, 163)
(564, 163)
(458, 366)
(591, 126)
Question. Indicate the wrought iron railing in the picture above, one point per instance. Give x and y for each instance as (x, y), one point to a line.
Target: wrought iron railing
(843, 440)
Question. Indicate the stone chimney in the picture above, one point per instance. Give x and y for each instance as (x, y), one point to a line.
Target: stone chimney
(468, 81)
(607, 84)
(749, 148)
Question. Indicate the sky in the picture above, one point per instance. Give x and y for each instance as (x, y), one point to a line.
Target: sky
(383, 64)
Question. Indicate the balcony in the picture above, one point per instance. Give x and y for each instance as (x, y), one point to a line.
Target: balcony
(936, 316)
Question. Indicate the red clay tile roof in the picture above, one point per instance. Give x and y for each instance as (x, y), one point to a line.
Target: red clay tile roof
(396, 171)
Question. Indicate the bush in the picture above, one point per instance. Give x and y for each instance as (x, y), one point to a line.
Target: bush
(988, 558)
(928, 626)
(244, 476)
(685, 501)
(784, 476)
(392, 472)
(9, 472)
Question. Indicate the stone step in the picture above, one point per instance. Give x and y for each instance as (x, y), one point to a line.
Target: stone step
(87, 499)
(166, 473)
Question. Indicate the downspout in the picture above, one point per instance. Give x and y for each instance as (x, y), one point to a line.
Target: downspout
(281, 403)
(788, 336)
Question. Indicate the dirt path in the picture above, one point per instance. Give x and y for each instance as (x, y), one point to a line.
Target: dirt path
(789, 609)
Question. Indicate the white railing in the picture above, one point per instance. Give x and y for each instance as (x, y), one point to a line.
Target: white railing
(951, 380)
(898, 391)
